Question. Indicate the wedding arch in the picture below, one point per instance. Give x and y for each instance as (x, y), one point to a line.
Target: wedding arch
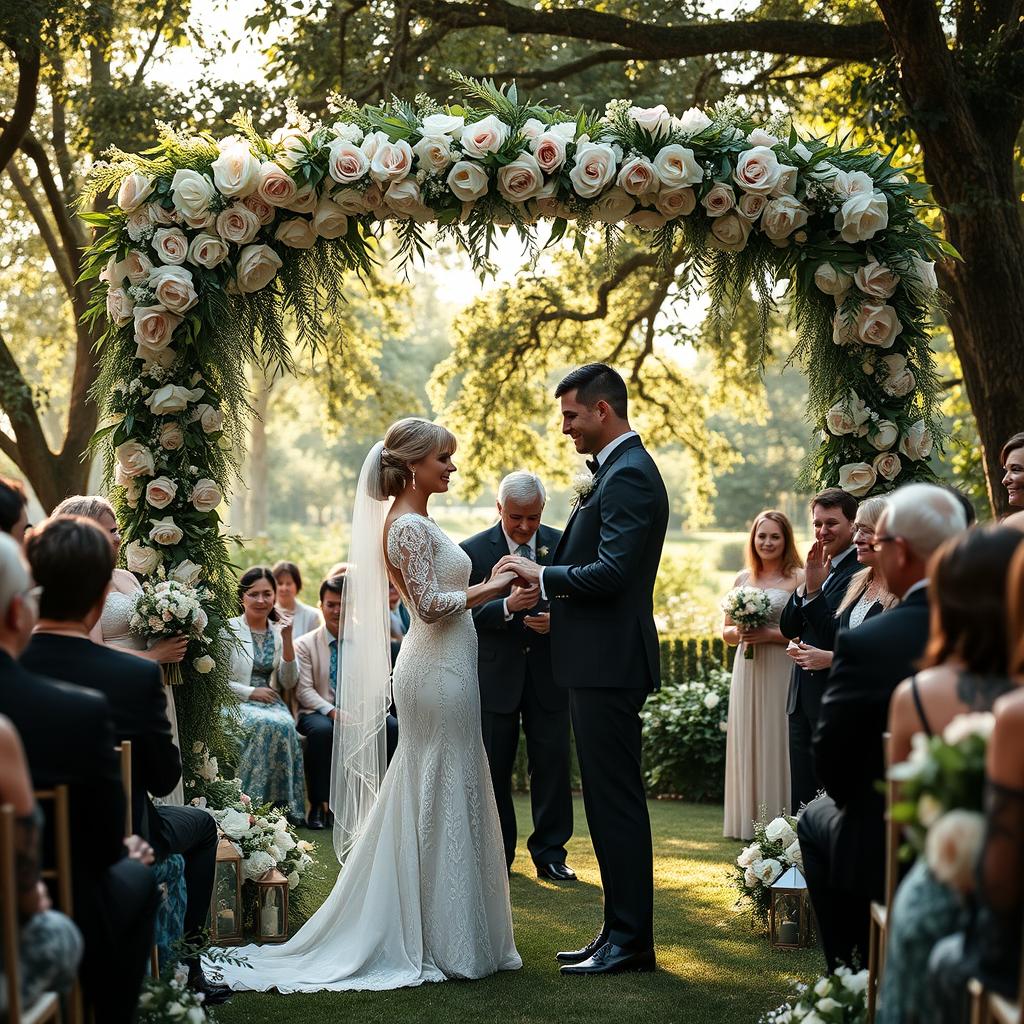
(211, 243)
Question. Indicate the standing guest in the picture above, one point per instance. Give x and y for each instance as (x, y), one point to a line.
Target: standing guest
(830, 564)
(516, 681)
(49, 944)
(964, 669)
(112, 628)
(842, 834)
(756, 755)
(400, 620)
(289, 583)
(263, 665)
(13, 508)
(865, 595)
(1011, 458)
(64, 552)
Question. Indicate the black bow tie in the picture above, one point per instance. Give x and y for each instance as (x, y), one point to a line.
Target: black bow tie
(593, 465)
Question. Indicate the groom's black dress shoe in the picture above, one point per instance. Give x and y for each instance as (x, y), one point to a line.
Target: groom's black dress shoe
(556, 872)
(577, 956)
(213, 994)
(612, 959)
(315, 819)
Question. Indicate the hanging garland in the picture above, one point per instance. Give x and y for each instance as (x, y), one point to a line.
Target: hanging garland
(212, 243)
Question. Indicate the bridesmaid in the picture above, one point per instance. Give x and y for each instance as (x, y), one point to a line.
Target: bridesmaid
(757, 740)
(304, 619)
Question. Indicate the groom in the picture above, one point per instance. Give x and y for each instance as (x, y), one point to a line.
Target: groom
(604, 647)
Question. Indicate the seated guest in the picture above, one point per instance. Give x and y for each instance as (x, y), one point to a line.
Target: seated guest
(289, 582)
(964, 669)
(13, 508)
(399, 615)
(72, 560)
(68, 737)
(270, 764)
(49, 944)
(830, 564)
(1011, 458)
(842, 834)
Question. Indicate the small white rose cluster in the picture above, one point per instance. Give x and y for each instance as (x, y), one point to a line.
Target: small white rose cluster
(749, 607)
(841, 996)
(774, 850)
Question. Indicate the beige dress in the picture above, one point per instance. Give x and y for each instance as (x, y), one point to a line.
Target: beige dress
(757, 740)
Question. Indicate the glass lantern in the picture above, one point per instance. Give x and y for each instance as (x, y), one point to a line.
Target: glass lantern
(789, 915)
(226, 906)
(272, 906)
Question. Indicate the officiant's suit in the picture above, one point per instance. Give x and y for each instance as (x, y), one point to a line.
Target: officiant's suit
(604, 648)
(516, 683)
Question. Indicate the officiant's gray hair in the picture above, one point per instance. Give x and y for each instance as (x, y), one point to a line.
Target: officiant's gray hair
(523, 487)
(924, 516)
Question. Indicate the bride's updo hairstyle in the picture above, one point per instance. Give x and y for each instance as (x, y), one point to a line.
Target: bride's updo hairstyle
(406, 441)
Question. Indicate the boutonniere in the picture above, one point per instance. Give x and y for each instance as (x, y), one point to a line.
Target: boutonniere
(583, 485)
(542, 552)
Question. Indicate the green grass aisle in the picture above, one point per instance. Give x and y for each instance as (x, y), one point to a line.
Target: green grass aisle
(712, 968)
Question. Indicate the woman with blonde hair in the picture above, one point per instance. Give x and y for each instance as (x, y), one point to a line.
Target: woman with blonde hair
(757, 744)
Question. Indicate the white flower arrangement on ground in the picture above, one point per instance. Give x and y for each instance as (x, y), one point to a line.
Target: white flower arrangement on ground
(171, 609)
(168, 998)
(749, 608)
(774, 849)
(839, 998)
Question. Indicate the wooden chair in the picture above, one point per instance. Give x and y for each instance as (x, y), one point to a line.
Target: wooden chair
(880, 911)
(47, 1006)
(992, 1008)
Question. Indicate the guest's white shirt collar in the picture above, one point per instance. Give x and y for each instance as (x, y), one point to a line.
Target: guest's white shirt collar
(919, 585)
(602, 455)
(842, 555)
(514, 545)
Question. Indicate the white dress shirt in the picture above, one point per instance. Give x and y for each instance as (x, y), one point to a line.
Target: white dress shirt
(919, 585)
(513, 547)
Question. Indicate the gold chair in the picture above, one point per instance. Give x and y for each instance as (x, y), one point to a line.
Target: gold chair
(992, 1008)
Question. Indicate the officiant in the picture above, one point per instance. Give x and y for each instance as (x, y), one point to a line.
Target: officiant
(516, 682)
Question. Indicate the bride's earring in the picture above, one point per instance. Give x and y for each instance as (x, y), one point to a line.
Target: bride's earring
(413, 477)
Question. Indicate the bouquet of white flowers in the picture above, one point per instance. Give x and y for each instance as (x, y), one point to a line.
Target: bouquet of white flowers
(839, 998)
(774, 849)
(749, 608)
(169, 609)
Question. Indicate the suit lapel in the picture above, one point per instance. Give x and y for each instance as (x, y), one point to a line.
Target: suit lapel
(498, 541)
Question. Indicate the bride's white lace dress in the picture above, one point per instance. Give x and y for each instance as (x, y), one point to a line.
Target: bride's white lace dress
(423, 895)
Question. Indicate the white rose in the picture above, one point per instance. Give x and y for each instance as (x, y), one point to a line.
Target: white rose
(786, 185)
(675, 202)
(916, 443)
(172, 398)
(711, 701)
(173, 288)
(141, 558)
(234, 823)
(887, 465)
(163, 356)
(346, 162)
(929, 809)
(767, 870)
(154, 326)
(793, 854)
(876, 280)
(264, 212)
(974, 723)
(468, 181)
(237, 224)
(757, 170)
(884, 434)
(373, 199)
(693, 122)
(186, 573)
(832, 281)
(593, 169)
(348, 132)
(638, 177)
(521, 179)
(952, 848)
(404, 197)
(119, 306)
(275, 186)
(191, 193)
(236, 171)
(330, 220)
(752, 205)
(160, 491)
(847, 415)
(900, 380)
(720, 199)
(782, 217)
(257, 266)
(443, 124)
(730, 232)
(165, 531)
(207, 251)
(349, 201)
(877, 324)
(862, 216)
(647, 220)
(206, 495)
(612, 207)
(856, 983)
(759, 137)
(294, 145)
(655, 120)
(114, 272)
(171, 245)
(676, 165)
(778, 830)
(485, 136)
(391, 162)
(204, 664)
(210, 419)
(749, 878)
(853, 183)
(137, 266)
(297, 233)
(139, 224)
(549, 149)
(922, 278)
(134, 190)
(857, 478)
(748, 855)
(434, 153)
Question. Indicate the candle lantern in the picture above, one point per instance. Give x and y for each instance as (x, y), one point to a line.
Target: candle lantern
(226, 905)
(272, 906)
(789, 915)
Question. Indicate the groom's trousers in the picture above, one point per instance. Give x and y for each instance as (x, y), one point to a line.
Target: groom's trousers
(608, 729)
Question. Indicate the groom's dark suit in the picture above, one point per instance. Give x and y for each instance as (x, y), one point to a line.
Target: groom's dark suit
(604, 647)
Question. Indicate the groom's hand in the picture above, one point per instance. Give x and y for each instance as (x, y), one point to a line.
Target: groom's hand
(524, 568)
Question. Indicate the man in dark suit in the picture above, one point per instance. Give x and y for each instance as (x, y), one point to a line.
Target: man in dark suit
(516, 682)
(604, 648)
(842, 834)
(809, 619)
(72, 559)
(68, 736)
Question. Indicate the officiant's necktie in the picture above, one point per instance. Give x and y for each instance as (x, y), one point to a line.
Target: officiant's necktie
(524, 551)
(334, 661)
(593, 465)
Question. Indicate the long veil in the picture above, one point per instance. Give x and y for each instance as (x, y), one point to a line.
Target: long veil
(359, 756)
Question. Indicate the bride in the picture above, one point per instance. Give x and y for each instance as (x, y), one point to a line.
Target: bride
(423, 893)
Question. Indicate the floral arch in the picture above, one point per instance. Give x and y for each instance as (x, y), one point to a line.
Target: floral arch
(211, 242)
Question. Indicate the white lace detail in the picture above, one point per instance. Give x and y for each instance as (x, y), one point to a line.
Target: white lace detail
(419, 549)
(860, 610)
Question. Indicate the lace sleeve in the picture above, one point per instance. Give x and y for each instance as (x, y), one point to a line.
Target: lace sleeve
(411, 551)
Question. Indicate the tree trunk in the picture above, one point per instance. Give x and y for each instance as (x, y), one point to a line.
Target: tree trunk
(259, 474)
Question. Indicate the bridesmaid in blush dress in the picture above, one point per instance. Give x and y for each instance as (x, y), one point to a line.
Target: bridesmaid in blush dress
(757, 740)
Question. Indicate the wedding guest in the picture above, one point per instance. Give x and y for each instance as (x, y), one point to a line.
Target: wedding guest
(73, 548)
(399, 616)
(270, 764)
(827, 571)
(756, 755)
(49, 944)
(112, 628)
(865, 595)
(517, 687)
(842, 834)
(13, 508)
(1015, 519)
(964, 669)
(1011, 458)
(68, 736)
(304, 619)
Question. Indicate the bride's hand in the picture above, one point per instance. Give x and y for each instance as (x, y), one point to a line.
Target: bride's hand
(503, 580)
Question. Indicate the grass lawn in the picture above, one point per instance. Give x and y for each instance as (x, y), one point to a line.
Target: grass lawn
(712, 968)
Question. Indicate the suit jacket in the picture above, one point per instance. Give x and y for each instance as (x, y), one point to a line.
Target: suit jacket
(509, 652)
(815, 623)
(601, 580)
(848, 751)
(313, 657)
(68, 736)
(285, 674)
(135, 694)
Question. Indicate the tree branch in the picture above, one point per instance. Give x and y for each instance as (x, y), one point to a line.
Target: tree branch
(154, 39)
(574, 67)
(24, 105)
(53, 246)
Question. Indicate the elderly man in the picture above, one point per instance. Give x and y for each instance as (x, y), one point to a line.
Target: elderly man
(516, 682)
(842, 834)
